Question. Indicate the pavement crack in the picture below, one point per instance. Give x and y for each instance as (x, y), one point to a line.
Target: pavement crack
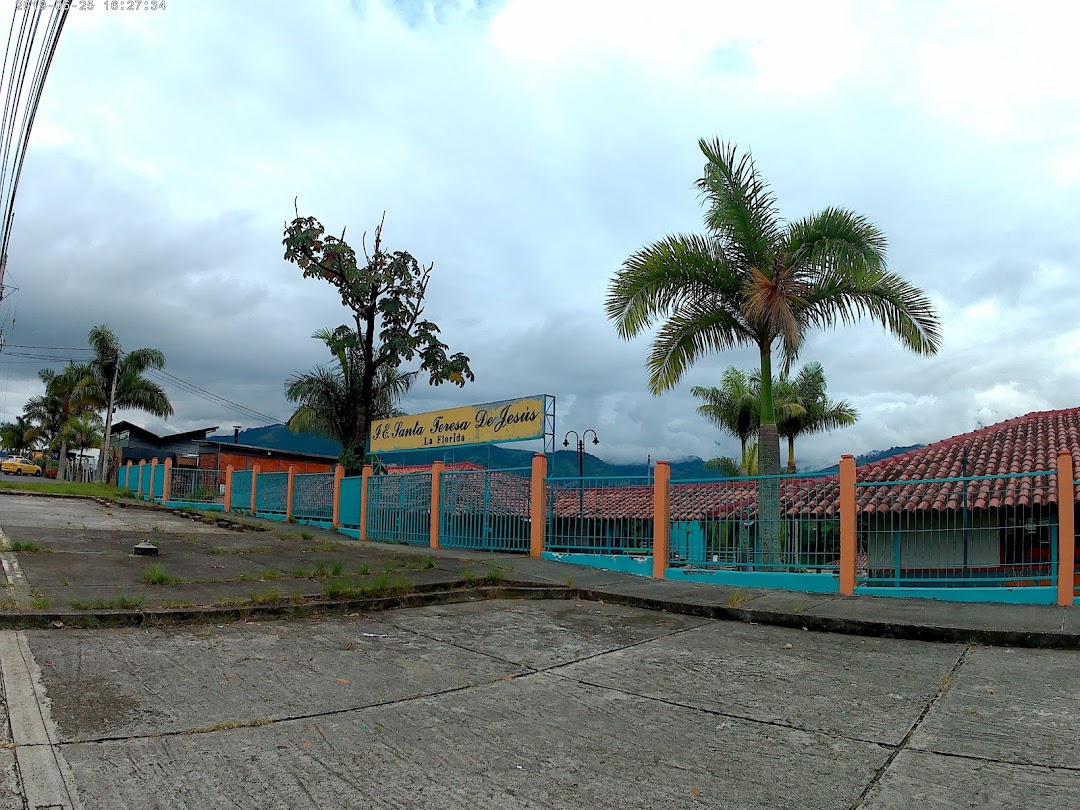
(946, 682)
(1017, 763)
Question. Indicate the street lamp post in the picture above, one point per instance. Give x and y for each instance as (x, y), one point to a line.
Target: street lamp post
(581, 465)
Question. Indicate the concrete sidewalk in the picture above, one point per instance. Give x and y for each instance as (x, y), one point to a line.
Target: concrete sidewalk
(76, 567)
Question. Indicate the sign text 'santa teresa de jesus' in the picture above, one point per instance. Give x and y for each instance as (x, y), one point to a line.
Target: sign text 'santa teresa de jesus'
(509, 421)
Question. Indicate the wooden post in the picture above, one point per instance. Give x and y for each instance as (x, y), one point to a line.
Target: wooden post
(254, 486)
(289, 493)
(227, 504)
(138, 489)
(166, 481)
(848, 546)
(1066, 582)
(661, 522)
(153, 475)
(127, 481)
(537, 505)
(436, 477)
(365, 477)
(339, 473)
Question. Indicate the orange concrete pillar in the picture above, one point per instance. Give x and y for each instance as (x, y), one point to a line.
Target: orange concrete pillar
(661, 518)
(365, 477)
(153, 474)
(339, 473)
(127, 481)
(289, 494)
(166, 481)
(138, 489)
(1066, 529)
(254, 485)
(848, 546)
(537, 505)
(227, 505)
(436, 478)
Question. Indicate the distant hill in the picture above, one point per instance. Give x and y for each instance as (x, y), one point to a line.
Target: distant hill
(870, 458)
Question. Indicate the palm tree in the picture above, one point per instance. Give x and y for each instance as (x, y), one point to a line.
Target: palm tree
(330, 400)
(734, 407)
(757, 280)
(803, 407)
(60, 402)
(82, 432)
(116, 380)
(729, 467)
(19, 436)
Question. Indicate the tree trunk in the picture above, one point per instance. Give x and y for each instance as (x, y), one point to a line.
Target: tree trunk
(61, 465)
(742, 457)
(791, 454)
(108, 422)
(769, 554)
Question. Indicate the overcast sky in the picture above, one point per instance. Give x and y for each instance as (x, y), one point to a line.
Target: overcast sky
(526, 148)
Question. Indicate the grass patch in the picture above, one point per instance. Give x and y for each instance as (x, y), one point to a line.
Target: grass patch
(336, 568)
(267, 597)
(41, 603)
(262, 576)
(68, 488)
(299, 573)
(467, 576)
(493, 575)
(262, 721)
(737, 597)
(157, 575)
(255, 549)
(325, 545)
(216, 550)
(7, 603)
(364, 570)
(177, 604)
(122, 602)
(413, 562)
(382, 585)
(307, 536)
(25, 546)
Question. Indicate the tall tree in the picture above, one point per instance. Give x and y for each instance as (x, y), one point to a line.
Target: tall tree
(734, 407)
(117, 379)
(60, 402)
(330, 399)
(755, 279)
(82, 432)
(803, 407)
(20, 435)
(386, 296)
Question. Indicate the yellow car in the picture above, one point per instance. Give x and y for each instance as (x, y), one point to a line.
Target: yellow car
(20, 466)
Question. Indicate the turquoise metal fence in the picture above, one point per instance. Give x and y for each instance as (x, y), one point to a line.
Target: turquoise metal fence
(271, 491)
(399, 508)
(600, 515)
(143, 485)
(485, 509)
(966, 532)
(313, 496)
(188, 485)
(349, 503)
(780, 523)
(122, 477)
(240, 496)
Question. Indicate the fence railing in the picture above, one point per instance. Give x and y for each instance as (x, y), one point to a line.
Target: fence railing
(399, 508)
(313, 496)
(190, 485)
(810, 532)
(485, 509)
(271, 493)
(978, 531)
(759, 523)
(600, 515)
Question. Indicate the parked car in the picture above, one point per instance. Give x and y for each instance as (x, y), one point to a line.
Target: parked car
(20, 466)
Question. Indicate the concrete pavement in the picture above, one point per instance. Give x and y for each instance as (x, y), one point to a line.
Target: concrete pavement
(623, 692)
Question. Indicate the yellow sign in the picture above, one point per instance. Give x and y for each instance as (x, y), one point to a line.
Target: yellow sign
(511, 420)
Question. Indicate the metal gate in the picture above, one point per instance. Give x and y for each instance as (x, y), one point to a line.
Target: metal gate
(487, 510)
(399, 508)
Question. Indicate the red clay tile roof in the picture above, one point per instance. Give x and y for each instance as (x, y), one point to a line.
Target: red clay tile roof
(1026, 444)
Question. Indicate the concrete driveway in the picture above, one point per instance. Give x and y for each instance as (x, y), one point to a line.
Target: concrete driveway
(549, 705)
